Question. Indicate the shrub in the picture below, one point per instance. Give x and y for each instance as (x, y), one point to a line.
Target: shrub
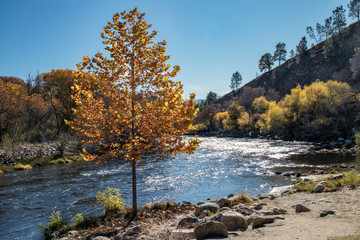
(55, 224)
(357, 139)
(20, 166)
(83, 222)
(111, 201)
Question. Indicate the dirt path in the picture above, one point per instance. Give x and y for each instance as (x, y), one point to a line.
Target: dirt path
(309, 225)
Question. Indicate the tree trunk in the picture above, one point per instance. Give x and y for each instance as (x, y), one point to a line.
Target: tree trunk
(134, 203)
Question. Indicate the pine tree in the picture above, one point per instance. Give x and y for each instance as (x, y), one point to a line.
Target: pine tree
(354, 9)
(339, 20)
(236, 80)
(280, 52)
(328, 27)
(302, 47)
(292, 53)
(310, 31)
(266, 61)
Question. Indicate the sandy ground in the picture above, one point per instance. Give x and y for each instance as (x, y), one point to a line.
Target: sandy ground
(309, 225)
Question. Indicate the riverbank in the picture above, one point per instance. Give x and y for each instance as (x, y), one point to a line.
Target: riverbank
(283, 214)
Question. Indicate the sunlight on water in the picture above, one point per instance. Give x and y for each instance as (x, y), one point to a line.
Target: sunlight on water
(219, 167)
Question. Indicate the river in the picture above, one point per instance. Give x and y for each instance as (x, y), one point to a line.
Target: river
(219, 167)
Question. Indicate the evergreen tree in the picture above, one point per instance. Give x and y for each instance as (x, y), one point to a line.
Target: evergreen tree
(354, 9)
(266, 61)
(236, 80)
(320, 32)
(280, 52)
(211, 97)
(339, 20)
(302, 47)
(292, 53)
(310, 31)
(328, 27)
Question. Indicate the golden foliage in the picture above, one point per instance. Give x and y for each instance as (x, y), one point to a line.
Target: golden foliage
(128, 104)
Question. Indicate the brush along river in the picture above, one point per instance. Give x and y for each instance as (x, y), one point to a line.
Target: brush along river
(219, 167)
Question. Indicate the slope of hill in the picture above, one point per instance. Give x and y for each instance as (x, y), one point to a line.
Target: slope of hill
(329, 60)
(315, 65)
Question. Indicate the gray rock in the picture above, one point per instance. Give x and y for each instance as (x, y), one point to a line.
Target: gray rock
(224, 209)
(212, 207)
(279, 191)
(199, 203)
(204, 214)
(101, 238)
(223, 202)
(186, 204)
(244, 211)
(259, 206)
(233, 220)
(301, 208)
(132, 231)
(340, 139)
(319, 188)
(326, 212)
(261, 221)
(182, 234)
(187, 222)
(210, 229)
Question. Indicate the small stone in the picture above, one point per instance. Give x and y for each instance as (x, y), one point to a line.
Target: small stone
(230, 195)
(260, 221)
(210, 229)
(326, 212)
(204, 214)
(223, 202)
(186, 204)
(259, 206)
(132, 231)
(181, 234)
(319, 188)
(101, 238)
(212, 207)
(187, 222)
(199, 203)
(301, 208)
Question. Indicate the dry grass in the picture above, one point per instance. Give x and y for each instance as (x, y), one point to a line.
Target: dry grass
(20, 166)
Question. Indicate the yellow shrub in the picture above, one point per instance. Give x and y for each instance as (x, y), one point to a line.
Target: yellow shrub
(20, 166)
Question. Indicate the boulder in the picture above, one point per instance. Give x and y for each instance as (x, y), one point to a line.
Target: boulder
(223, 202)
(301, 208)
(210, 229)
(233, 220)
(182, 234)
(279, 191)
(212, 207)
(319, 188)
(187, 222)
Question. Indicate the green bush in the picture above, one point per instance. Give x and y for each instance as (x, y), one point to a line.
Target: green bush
(357, 139)
(83, 222)
(55, 224)
(111, 201)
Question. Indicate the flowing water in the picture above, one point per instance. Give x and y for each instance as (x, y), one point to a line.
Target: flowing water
(219, 167)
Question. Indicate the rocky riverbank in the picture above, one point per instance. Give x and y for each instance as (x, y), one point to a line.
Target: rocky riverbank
(285, 213)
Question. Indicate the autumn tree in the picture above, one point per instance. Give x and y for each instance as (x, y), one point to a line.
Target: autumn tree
(57, 86)
(266, 62)
(130, 105)
(354, 9)
(339, 20)
(280, 52)
(236, 80)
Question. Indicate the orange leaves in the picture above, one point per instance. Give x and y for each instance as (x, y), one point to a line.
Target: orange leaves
(130, 102)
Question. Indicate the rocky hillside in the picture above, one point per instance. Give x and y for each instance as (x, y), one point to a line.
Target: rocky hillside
(329, 59)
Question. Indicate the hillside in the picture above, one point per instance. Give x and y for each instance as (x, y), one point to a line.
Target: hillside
(313, 66)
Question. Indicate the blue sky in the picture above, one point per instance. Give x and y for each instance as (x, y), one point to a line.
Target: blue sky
(209, 39)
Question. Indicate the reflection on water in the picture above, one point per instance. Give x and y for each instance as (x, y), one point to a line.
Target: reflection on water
(220, 166)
